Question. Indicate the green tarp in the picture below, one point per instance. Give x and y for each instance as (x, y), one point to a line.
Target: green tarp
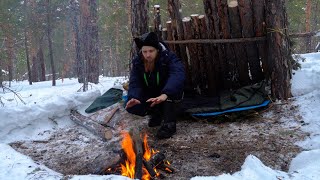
(109, 98)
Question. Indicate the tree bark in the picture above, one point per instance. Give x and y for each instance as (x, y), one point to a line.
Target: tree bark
(92, 126)
(1, 76)
(213, 26)
(279, 53)
(85, 45)
(26, 41)
(242, 75)
(53, 71)
(9, 43)
(308, 26)
(246, 15)
(35, 70)
(139, 22)
(260, 31)
(75, 26)
(42, 68)
(93, 53)
(228, 63)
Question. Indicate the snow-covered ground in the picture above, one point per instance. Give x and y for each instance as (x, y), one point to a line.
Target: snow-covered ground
(47, 109)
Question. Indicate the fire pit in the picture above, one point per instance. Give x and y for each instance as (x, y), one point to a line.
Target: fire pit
(138, 160)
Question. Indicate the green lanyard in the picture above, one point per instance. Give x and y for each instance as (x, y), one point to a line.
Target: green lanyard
(146, 80)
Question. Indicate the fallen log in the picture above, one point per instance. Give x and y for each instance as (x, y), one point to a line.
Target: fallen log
(105, 133)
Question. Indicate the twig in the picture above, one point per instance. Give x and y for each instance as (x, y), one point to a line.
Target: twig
(15, 93)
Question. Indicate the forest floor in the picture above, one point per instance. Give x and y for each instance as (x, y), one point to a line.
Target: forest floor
(201, 147)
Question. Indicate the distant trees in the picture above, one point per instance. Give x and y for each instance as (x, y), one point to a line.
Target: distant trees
(51, 39)
(303, 16)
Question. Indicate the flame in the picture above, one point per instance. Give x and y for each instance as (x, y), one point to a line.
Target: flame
(128, 169)
(148, 153)
(130, 163)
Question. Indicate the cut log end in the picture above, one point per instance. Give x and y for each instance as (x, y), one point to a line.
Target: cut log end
(232, 3)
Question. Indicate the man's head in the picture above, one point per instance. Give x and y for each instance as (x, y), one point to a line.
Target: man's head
(149, 45)
(148, 39)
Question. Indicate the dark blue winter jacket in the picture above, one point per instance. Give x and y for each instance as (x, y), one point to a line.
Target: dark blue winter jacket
(167, 78)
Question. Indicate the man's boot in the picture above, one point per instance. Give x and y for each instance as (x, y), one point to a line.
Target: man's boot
(168, 127)
(156, 116)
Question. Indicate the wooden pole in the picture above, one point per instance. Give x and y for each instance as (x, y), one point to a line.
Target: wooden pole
(246, 16)
(242, 73)
(260, 31)
(209, 69)
(187, 61)
(157, 21)
(228, 63)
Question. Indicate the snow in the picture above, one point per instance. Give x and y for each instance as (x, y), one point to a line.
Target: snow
(46, 110)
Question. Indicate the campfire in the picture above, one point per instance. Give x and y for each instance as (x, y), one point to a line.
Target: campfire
(138, 160)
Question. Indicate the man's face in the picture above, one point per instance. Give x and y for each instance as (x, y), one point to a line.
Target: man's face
(149, 53)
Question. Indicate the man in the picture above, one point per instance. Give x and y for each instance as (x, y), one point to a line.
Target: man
(156, 84)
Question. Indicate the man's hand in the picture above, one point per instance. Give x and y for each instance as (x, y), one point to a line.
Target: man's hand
(157, 100)
(132, 102)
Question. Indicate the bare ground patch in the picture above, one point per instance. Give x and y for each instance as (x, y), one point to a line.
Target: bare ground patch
(200, 147)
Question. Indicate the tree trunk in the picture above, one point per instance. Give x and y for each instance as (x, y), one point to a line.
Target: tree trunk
(116, 59)
(42, 68)
(308, 25)
(93, 53)
(1, 76)
(9, 43)
(53, 71)
(76, 31)
(279, 53)
(139, 22)
(26, 42)
(84, 23)
(34, 70)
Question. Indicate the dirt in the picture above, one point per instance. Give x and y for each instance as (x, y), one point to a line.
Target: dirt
(203, 147)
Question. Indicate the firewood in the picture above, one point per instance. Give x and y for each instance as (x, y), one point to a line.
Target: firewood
(157, 159)
(166, 168)
(108, 117)
(149, 168)
(92, 126)
(138, 148)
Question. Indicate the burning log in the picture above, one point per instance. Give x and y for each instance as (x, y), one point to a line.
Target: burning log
(138, 148)
(157, 159)
(166, 167)
(149, 168)
(138, 160)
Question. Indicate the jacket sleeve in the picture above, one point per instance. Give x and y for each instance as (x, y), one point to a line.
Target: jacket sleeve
(175, 83)
(135, 83)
